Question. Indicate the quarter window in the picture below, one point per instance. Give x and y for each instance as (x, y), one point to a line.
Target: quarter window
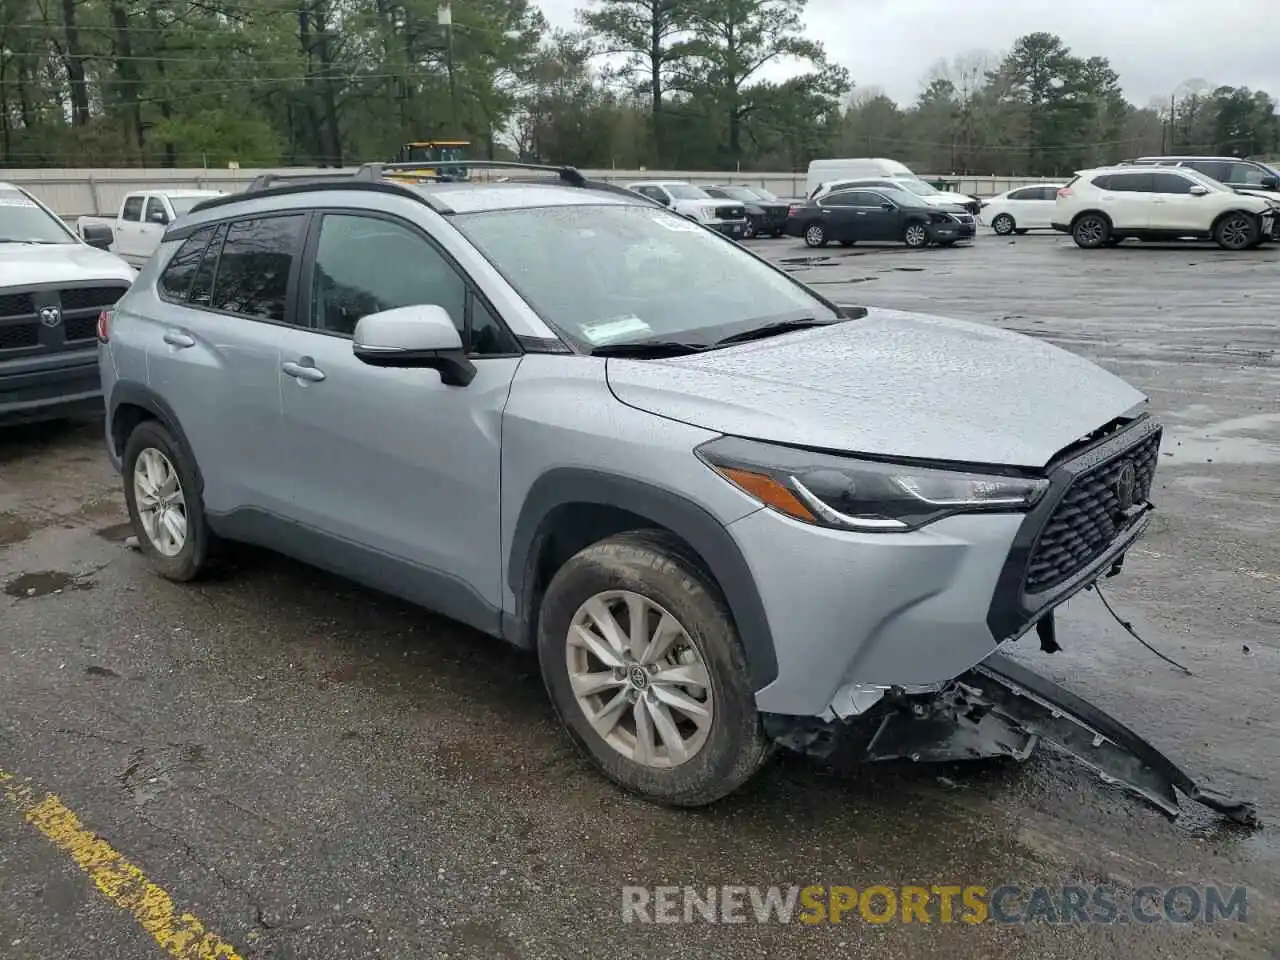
(254, 267)
(365, 265)
(175, 281)
(202, 286)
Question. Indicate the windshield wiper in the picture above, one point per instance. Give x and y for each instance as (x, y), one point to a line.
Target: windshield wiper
(772, 329)
(647, 349)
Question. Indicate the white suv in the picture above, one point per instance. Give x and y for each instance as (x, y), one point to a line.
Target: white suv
(1103, 207)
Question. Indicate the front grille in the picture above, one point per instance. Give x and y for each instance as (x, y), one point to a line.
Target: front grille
(1089, 517)
(19, 335)
(86, 298)
(730, 213)
(78, 308)
(15, 305)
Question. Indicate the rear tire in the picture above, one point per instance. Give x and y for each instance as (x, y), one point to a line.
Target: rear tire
(649, 574)
(1091, 231)
(815, 235)
(1236, 231)
(162, 495)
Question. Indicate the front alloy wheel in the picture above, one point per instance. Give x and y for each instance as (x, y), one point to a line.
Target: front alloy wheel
(916, 235)
(638, 679)
(1236, 231)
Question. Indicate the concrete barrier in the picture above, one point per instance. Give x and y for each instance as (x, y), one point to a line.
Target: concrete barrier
(87, 192)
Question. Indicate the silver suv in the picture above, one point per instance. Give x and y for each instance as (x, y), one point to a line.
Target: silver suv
(725, 511)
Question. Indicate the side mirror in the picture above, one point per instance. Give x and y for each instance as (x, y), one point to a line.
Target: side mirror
(422, 335)
(851, 311)
(158, 216)
(1198, 191)
(98, 235)
(1271, 183)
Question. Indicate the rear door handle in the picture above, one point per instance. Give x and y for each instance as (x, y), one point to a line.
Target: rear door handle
(177, 339)
(304, 369)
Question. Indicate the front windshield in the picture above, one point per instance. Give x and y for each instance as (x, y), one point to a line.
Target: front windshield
(610, 274)
(918, 187)
(22, 220)
(685, 191)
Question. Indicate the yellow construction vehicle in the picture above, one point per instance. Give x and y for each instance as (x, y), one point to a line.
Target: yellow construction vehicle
(428, 152)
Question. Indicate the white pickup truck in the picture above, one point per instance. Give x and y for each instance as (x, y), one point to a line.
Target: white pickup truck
(138, 227)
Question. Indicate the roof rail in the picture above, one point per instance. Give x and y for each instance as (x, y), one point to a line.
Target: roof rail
(570, 175)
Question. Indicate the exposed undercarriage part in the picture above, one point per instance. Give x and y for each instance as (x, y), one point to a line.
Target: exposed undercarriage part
(1000, 708)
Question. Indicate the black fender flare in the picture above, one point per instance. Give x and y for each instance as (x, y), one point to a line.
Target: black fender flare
(132, 393)
(705, 534)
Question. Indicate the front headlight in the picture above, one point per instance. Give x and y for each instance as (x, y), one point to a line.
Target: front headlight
(835, 491)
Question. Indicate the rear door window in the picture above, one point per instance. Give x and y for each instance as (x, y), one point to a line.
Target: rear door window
(1132, 182)
(255, 269)
(132, 208)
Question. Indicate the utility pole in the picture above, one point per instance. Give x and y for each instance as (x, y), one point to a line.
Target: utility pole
(444, 16)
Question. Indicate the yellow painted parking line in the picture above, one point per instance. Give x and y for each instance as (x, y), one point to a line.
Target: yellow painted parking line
(180, 935)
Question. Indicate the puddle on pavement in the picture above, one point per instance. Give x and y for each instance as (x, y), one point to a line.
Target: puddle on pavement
(42, 583)
(13, 529)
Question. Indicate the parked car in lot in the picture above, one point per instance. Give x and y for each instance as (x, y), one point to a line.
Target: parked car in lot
(828, 174)
(1249, 176)
(1018, 211)
(848, 216)
(727, 217)
(766, 214)
(924, 191)
(53, 286)
(1105, 206)
(719, 506)
(136, 230)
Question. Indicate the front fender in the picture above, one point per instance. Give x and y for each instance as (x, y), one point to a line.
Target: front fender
(705, 534)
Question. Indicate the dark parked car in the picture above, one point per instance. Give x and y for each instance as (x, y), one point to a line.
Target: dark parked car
(766, 214)
(1248, 176)
(848, 216)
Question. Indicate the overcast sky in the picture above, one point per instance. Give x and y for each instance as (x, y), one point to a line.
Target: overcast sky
(1154, 45)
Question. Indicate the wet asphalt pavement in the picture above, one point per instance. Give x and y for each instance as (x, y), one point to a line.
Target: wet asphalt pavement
(315, 771)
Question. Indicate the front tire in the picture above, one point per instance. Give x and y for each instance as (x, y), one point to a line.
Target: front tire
(164, 503)
(1003, 225)
(916, 236)
(815, 235)
(645, 669)
(1236, 231)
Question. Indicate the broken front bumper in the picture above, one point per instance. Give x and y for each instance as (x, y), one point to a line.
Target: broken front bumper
(1002, 709)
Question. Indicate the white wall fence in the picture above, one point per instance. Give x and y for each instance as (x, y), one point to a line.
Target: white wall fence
(85, 192)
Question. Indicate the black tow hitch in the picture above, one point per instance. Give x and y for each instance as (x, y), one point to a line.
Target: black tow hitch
(1000, 708)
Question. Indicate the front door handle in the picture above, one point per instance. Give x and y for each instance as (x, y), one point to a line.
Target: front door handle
(175, 338)
(304, 369)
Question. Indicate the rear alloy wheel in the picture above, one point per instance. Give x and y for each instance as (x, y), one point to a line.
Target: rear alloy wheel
(916, 236)
(815, 235)
(164, 503)
(1236, 231)
(1003, 225)
(1091, 231)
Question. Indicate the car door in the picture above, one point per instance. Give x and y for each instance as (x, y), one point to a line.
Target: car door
(155, 218)
(1174, 207)
(838, 216)
(392, 460)
(877, 216)
(1032, 207)
(128, 225)
(225, 296)
(1127, 200)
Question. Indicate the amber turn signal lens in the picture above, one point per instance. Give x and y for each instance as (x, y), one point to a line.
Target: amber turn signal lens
(769, 492)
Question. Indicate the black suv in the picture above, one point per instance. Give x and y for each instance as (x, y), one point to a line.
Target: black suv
(1249, 175)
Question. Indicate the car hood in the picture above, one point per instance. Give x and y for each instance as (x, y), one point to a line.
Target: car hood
(945, 199)
(891, 384)
(22, 264)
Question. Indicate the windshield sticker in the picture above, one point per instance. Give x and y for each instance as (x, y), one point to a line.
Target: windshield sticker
(674, 223)
(12, 198)
(615, 328)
